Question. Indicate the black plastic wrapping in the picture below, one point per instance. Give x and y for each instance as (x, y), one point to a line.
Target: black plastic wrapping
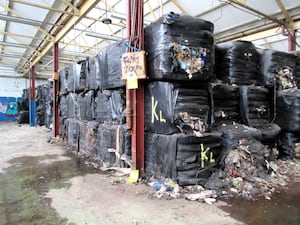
(63, 80)
(237, 63)
(287, 143)
(44, 112)
(72, 106)
(93, 80)
(176, 107)
(180, 50)
(63, 128)
(288, 110)
(110, 105)
(197, 158)
(224, 102)
(73, 133)
(160, 155)
(187, 159)
(232, 133)
(254, 105)
(23, 117)
(110, 144)
(23, 105)
(86, 105)
(88, 135)
(77, 76)
(272, 65)
(269, 133)
(110, 66)
(63, 105)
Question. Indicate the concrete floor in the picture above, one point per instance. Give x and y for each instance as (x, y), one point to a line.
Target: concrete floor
(42, 183)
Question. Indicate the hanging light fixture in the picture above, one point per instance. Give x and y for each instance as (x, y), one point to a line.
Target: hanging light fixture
(106, 20)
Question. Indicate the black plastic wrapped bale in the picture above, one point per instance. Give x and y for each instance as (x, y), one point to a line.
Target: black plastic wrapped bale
(23, 105)
(63, 105)
(160, 155)
(238, 63)
(288, 145)
(93, 79)
(176, 107)
(288, 110)
(180, 47)
(197, 158)
(224, 102)
(297, 69)
(88, 134)
(77, 77)
(110, 105)
(63, 128)
(255, 105)
(233, 133)
(110, 65)
(63, 80)
(280, 66)
(86, 105)
(110, 144)
(23, 117)
(269, 133)
(73, 133)
(72, 106)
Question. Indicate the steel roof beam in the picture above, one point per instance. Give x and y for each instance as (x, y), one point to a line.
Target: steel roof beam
(84, 8)
(285, 13)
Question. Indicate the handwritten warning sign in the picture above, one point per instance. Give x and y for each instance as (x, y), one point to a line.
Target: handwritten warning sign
(133, 62)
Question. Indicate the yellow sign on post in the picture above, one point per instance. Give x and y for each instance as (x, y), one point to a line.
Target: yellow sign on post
(133, 63)
(132, 81)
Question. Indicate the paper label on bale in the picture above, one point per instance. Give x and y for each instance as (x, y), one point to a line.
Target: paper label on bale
(134, 62)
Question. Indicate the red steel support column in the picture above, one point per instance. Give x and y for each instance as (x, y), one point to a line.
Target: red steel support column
(135, 97)
(55, 90)
(32, 102)
(292, 40)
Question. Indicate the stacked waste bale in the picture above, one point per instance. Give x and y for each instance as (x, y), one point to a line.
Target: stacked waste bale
(23, 108)
(44, 112)
(180, 64)
(237, 63)
(277, 66)
(92, 107)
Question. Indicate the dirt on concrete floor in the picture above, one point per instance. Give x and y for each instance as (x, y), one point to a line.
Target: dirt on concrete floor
(97, 198)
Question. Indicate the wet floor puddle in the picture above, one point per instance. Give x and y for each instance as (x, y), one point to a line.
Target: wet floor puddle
(282, 209)
(23, 185)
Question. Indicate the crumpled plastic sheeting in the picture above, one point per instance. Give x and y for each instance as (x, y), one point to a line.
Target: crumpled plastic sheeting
(288, 110)
(72, 105)
(88, 134)
(63, 80)
(110, 145)
(272, 62)
(188, 159)
(110, 106)
(288, 142)
(73, 133)
(180, 48)
(76, 77)
(110, 66)
(93, 79)
(63, 106)
(86, 105)
(176, 107)
(254, 105)
(224, 102)
(237, 63)
(44, 112)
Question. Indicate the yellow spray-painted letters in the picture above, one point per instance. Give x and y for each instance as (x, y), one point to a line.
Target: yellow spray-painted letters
(154, 114)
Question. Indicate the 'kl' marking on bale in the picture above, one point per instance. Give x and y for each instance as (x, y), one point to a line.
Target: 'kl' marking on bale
(204, 156)
(154, 112)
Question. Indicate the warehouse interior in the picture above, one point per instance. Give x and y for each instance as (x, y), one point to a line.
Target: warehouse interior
(173, 93)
